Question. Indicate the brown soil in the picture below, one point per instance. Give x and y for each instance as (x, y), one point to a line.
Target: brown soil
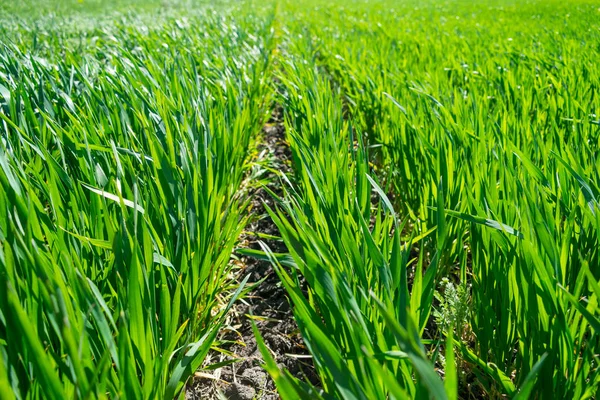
(246, 379)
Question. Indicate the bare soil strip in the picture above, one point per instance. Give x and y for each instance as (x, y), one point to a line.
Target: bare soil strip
(246, 379)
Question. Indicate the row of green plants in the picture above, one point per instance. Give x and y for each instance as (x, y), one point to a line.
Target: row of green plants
(441, 215)
(444, 194)
(123, 149)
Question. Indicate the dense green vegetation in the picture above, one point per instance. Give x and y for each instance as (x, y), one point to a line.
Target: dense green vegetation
(442, 213)
(123, 151)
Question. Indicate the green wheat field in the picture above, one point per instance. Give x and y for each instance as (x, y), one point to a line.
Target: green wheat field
(441, 209)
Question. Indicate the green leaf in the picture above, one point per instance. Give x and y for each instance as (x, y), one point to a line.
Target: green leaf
(450, 375)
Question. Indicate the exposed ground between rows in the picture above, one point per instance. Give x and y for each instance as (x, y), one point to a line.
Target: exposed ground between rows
(246, 379)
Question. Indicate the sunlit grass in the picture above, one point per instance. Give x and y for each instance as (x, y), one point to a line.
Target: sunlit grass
(480, 124)
(123, 150)
(442, 213)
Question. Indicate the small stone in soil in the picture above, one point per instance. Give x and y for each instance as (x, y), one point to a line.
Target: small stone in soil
(237, 391)
(255, 377)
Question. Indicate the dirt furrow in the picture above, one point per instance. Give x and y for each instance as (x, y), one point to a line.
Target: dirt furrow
(245, 379)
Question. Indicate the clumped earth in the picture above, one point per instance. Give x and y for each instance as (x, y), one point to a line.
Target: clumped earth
(272, 314)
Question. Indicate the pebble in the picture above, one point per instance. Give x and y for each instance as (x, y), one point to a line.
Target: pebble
(237, 391)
